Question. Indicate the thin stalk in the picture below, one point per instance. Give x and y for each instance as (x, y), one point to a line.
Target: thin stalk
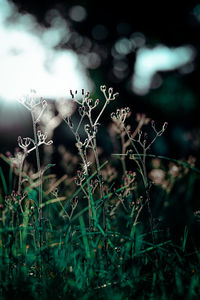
(84, 159)
(137, 216)
(123, 152)
(144, 169)
(10, 178)
(103, 108)
(79, 124)
(20, 174)
(184, 164)
(94, 142)
(133, 144)
(40, 174)
(145, 180)
(89, 205)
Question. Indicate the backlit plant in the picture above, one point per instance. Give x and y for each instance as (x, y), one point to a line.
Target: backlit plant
(93, 232)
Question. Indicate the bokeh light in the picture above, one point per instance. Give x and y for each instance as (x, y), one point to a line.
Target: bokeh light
(123, 46)
(30, 56)
(161, 58)
(78, 13)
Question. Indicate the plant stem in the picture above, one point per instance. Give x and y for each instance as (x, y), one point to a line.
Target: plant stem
(147, 194)
(102, 110)
(94, 146)
(40, 175)
(123, 152)
(20, 174)
(145, 180)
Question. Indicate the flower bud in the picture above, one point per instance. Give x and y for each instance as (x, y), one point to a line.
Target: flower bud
(71, 94)
(103, 88)
(96, 102)
(86, 127)
(165, 125)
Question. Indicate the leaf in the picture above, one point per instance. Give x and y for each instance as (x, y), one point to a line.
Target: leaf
(32, 195)
(47, 167)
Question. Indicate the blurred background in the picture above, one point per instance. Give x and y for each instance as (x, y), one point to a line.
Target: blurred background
(146, 51)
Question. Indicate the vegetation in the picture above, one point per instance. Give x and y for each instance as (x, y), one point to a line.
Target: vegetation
(118, 227)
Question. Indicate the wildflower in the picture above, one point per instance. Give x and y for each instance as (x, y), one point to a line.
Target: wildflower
(24, 143)
(121, 114)
(31, 100)
(157, 176)
(110, 96)
(42, 139)
(74, 202)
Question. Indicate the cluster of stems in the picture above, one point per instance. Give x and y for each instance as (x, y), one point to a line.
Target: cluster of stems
(85, 109)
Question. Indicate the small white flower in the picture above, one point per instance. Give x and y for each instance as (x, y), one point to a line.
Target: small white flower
(42, 138)
(32, 101)
(24, 142)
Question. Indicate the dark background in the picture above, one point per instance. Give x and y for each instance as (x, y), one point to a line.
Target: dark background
(170, 23)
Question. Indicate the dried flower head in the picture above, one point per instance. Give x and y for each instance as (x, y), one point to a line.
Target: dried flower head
(121, 114)
(24, 143)
(42, 139)
(31, 100)
(34, 103)
(110, 96)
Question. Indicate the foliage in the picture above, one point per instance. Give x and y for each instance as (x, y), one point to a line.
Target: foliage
(104, 228)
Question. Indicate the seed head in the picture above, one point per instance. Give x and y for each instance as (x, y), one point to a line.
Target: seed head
(103, 88)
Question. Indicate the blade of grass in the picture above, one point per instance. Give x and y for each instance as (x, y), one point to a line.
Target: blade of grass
(85, 239)
(185, 235)
(185, 164)
(10, 179)
(3, 180)
(151, 248)
(51, 201)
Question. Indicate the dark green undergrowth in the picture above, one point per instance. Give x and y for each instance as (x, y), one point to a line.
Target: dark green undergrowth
(81, 267)
(72, 259)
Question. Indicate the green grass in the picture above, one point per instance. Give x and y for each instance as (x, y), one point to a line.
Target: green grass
(79, 262)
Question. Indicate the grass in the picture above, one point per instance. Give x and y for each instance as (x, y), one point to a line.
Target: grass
(122, 228)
